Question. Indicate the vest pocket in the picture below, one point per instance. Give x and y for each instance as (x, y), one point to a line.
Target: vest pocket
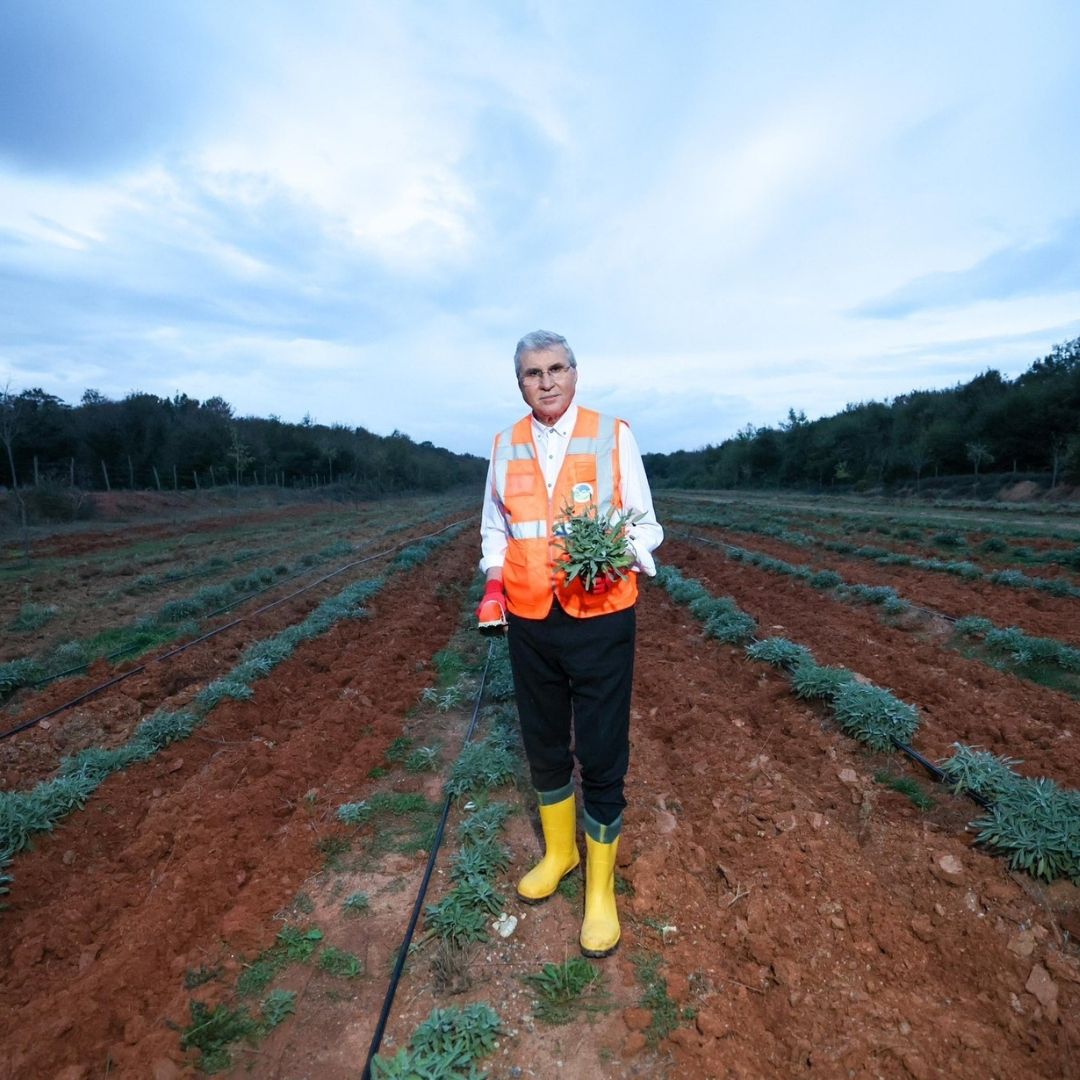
(520, 483)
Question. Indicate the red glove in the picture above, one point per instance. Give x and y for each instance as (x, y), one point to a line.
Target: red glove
(491, 614)
(601, 584)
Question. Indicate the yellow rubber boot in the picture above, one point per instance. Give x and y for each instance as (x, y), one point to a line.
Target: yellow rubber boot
(600, 930)
(559, 822)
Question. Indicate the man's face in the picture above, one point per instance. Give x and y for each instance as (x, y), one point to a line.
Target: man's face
(547, 383)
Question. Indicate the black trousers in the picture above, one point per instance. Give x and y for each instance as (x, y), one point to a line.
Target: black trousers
(578, 670)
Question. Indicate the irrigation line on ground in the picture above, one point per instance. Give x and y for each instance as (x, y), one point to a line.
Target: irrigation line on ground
(936, 773)
(735, 547)
(220, 629)
(406, 941)
(208, 615)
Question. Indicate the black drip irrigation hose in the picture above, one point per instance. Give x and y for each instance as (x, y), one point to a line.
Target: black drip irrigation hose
(26, 725)
(406, 941)
(37, 683)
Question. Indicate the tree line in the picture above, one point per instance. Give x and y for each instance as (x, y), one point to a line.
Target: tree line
(985, 427)
(145, 441)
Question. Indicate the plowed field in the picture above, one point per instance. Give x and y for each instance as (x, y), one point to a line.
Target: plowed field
(807, 921)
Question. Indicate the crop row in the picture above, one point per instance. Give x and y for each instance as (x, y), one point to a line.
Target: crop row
(931, 534)
(965, 569)
(1033, 823)
(1004, 646)
(24, 813)
(175, 618)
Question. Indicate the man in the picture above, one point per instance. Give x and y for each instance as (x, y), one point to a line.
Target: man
(571, 650)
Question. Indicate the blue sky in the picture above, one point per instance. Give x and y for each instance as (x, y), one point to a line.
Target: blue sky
(353, 210)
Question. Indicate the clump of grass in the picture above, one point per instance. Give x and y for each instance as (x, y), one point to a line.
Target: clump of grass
(874, 716)
(220, 690)
(297, 944)
(655, 998)
(482, 765)
(259, 974)
(200, 976)
(357, 903)
(211, 1031)
(779, 652)
(423, 759)
(567, 990)
(332, 848)
(1035, 825)
(445, 1045)
(276, 1006)
(481, 858)
(404, 822)
(354, 813)
(447, 699)
(905, 785)
(398, 750)
(483, 823)
(570, 886)
(949, 540)
(813, 681)
(978, 772)
(973, 626)
(500, 678)
(455, 918)
(344, 965)
(32, 617)
(450, 665)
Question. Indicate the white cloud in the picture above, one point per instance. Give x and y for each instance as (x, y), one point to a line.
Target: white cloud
(366, 205)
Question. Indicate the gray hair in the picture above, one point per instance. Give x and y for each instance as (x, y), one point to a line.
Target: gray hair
(539, 341)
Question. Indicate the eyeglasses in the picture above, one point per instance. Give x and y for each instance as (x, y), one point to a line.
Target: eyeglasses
(534, 376)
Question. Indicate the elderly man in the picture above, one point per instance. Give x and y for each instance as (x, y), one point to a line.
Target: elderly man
(571, 649)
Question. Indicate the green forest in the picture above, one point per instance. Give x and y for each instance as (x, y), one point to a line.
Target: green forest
(1028, 426)
(984, 429)
(179, 443)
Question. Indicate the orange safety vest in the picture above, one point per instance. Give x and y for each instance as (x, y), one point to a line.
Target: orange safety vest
(589, 474)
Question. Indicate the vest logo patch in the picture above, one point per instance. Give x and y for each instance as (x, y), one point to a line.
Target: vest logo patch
(582, 493)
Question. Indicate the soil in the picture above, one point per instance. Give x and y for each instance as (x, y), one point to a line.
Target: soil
(807, 920)
(1034, 612)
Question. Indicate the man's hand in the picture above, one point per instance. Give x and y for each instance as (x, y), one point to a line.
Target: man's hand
(601, 584)
(491, 614)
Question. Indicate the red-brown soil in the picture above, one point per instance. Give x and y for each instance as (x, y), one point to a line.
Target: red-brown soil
(171, 683)
(86, 576)
(1034, 612)
(812, 929)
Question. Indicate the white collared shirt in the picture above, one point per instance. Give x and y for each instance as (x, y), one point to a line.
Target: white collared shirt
(645, 535)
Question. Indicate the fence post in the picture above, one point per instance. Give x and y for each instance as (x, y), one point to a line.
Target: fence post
(37, 475)
(175, 481)
(213, 478)
(131, 473)
(195, 473)
(105, 472)
(157, 479)
(71, 472)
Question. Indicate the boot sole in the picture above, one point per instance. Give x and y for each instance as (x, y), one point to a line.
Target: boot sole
(532, 901)
(598, 954)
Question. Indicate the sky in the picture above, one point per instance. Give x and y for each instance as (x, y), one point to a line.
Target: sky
(352, 211)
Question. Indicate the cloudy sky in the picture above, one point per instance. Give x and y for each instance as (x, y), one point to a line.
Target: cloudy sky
(353, 210)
